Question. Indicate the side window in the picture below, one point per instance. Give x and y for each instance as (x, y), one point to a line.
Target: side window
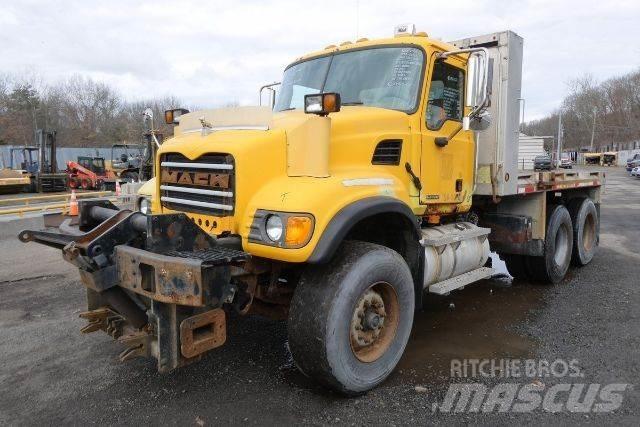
(445, 95)
(84, 162)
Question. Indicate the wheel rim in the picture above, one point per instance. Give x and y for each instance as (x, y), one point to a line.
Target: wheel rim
(374, 322)
(589, 232)
(562, 245)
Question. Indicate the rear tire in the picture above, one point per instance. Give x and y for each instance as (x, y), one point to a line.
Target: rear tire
(586, 236)
(86, 184)
(558, 244)
(350, 319)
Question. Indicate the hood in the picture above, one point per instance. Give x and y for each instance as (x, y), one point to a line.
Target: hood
(356, 118)
(234, 118)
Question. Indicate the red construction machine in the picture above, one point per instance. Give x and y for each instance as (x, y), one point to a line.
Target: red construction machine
(88, 173)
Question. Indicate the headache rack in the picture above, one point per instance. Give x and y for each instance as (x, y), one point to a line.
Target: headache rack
(205, 185)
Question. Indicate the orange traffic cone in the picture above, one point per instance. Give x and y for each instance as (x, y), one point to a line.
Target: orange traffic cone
(118, 189)
(73, 204)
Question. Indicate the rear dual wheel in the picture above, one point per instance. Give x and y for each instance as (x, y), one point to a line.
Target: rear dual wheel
(571, 238)
(350, 319)
(552, 266)
(586, 230)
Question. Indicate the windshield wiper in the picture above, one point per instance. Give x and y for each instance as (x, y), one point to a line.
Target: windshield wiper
(288, 109)
(353, 103)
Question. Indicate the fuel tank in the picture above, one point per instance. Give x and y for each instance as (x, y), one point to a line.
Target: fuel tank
(452, 250)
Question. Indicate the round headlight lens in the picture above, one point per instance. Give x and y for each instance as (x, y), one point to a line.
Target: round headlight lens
(145, 206)
(274, 227)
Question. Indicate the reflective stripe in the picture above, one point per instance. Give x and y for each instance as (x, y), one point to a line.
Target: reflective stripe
(221, 166)
(197, 191)
(218, 128)
(366, 182)
(196, 203)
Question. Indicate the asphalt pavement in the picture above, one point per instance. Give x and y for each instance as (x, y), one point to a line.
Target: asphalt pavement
(51, 374)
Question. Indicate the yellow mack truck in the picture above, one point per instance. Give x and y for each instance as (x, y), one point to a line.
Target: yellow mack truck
(382, 172)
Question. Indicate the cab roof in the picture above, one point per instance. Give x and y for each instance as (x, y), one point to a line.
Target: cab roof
(419, 39)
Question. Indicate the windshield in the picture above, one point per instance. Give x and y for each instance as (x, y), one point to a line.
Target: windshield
(382, 77)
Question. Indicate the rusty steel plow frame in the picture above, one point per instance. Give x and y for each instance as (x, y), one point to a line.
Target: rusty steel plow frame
(155, 283)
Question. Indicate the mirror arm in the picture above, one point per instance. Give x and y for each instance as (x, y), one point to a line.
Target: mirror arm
(270, 87)
(442, 141)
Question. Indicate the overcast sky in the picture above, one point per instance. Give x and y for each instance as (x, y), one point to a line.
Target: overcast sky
(213, 52)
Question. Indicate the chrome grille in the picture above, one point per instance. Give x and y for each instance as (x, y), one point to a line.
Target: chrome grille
(205, 185)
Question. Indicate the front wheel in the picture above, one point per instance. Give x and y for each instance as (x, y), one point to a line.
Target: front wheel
(86, 184)
(350, 319)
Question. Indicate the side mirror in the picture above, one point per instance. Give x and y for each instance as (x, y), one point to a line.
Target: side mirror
(272, 93)
(479, 122)
(477, 80)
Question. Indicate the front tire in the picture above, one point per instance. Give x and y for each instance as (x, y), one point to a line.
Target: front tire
(86, 184)
(350, 319)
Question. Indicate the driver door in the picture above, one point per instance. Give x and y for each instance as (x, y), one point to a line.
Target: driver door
(446, 167)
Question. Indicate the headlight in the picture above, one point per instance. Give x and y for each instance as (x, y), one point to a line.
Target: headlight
(274, 227)
(145, 206)
(322, 103)
(283, 229)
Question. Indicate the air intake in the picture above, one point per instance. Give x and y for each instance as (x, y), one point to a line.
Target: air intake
(387, 152)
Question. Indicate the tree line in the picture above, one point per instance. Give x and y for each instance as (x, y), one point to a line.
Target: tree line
(610, 110)
(88, 113)
(84, 112)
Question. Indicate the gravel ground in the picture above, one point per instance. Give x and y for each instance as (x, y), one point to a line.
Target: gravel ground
(52, 374)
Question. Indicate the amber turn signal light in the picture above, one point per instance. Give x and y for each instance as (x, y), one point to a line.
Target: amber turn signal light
(298, 231)
(171, 116)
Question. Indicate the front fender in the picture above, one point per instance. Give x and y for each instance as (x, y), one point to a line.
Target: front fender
(349, 216)
(336, 203)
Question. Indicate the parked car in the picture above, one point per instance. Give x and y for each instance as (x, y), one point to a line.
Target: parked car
(636, 172)
(542, 163)
(565, 162)
(633, 161)
(633, 164)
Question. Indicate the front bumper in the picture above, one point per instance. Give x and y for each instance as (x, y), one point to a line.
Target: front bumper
(155, 283)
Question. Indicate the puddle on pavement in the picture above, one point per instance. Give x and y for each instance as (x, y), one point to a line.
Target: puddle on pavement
(476, 322)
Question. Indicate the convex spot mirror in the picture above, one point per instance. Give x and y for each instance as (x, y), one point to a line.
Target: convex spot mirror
(479, 122)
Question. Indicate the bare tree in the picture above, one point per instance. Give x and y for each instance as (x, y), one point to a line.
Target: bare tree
(613, 105)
